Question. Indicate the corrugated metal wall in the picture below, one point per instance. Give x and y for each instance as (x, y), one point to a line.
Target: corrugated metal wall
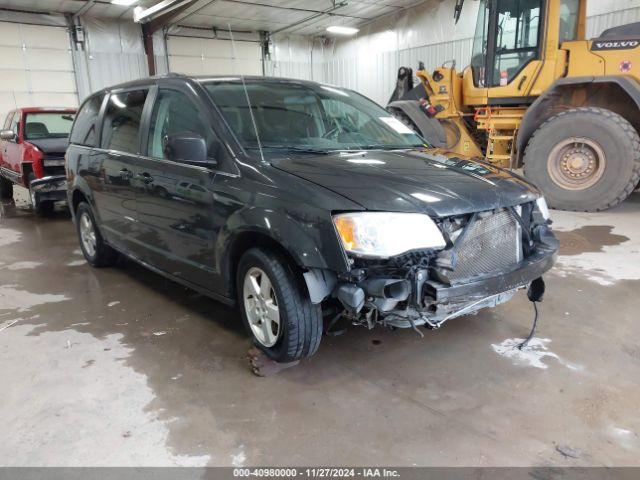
(211, 56)
(113, 53)
(597, 23)
(36, 68)
(353, 65)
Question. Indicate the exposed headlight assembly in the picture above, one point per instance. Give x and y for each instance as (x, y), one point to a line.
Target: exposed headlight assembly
(541, 203)
(386, 234)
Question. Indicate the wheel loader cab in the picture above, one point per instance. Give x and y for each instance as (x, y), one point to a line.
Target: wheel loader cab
(516, 53)
(507, 39)
(539, 96)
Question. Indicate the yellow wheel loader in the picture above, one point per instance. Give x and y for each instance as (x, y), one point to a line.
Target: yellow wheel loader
(539, 96)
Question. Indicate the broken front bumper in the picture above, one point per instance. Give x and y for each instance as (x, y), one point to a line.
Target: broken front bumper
(50, 188)
(479, 287)
(420, 297)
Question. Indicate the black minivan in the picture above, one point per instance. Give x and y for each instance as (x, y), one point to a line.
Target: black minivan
(294, 199)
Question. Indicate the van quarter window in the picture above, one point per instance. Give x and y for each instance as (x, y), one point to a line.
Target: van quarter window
(85, 131)
(122, 121)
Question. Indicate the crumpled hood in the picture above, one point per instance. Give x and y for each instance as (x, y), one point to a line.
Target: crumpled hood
(51, 145)
(413, 181)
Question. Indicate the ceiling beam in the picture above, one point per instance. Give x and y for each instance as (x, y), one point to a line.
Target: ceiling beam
(153, 19)
(200, 4)
(162, 12)
(84, 8)
(293, 9)
(328, 11)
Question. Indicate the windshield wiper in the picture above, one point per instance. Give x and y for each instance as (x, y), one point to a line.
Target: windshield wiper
(389, 147)
(293, 149)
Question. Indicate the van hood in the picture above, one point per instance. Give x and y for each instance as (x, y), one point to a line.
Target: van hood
(412, 181)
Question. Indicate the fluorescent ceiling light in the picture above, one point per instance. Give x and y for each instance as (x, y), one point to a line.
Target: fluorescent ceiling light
(126, 3)
(137, 13)
(340, 30)
(143, 15)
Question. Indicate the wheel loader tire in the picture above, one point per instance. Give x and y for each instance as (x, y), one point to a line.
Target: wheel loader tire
(584, 159)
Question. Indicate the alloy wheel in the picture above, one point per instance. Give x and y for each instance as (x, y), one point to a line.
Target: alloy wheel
(88, 234)
(261, 307)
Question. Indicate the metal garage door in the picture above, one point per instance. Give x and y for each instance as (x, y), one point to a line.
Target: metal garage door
(203, 56)
(36, 67)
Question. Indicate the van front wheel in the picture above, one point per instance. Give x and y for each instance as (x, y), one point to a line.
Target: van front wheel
(276, 308)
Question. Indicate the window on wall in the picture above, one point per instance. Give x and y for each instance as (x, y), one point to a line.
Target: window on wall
(175, 113)
(121, 127)
(85, 128)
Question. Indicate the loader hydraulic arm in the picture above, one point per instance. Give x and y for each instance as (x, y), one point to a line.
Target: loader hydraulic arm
(444, 95)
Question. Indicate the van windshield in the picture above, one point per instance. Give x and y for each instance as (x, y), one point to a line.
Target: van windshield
(48, 125)
(307, 117)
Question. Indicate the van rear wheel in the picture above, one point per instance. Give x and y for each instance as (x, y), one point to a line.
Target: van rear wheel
(584, 159)
(95, 250)
(276, 307)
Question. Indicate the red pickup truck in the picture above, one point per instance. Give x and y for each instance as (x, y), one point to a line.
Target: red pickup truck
(33, 142)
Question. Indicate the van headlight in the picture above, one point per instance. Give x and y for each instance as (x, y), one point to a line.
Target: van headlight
(541, 203)
(386, 234)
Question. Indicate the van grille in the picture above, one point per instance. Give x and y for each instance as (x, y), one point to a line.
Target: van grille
(492, 244)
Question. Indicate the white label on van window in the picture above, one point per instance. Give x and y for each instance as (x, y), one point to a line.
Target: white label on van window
(397, 125)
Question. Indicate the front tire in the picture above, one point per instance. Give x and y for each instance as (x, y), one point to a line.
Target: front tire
(584, 159)
(276, 308)
(96, 251)
(6, 189)
(43, 208)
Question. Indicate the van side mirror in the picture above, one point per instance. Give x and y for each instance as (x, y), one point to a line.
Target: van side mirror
(7, 135)
(188, 147)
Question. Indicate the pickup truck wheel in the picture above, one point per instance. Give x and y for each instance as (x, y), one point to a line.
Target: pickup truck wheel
(6, 189)
(43, 208)
(276, 308)
(96, 252)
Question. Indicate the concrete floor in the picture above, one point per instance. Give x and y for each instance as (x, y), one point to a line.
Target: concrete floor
(121, 367)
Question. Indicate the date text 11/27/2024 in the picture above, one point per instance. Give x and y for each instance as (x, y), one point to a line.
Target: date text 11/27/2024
(319, 472)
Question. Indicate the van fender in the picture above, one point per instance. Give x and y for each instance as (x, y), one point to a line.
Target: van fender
(315, 250)
(80, 186)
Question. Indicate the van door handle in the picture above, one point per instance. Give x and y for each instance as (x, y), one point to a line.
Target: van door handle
(145, 177)
(126, 174)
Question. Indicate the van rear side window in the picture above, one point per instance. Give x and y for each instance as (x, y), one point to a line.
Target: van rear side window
(121, 126)
(85, 127)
